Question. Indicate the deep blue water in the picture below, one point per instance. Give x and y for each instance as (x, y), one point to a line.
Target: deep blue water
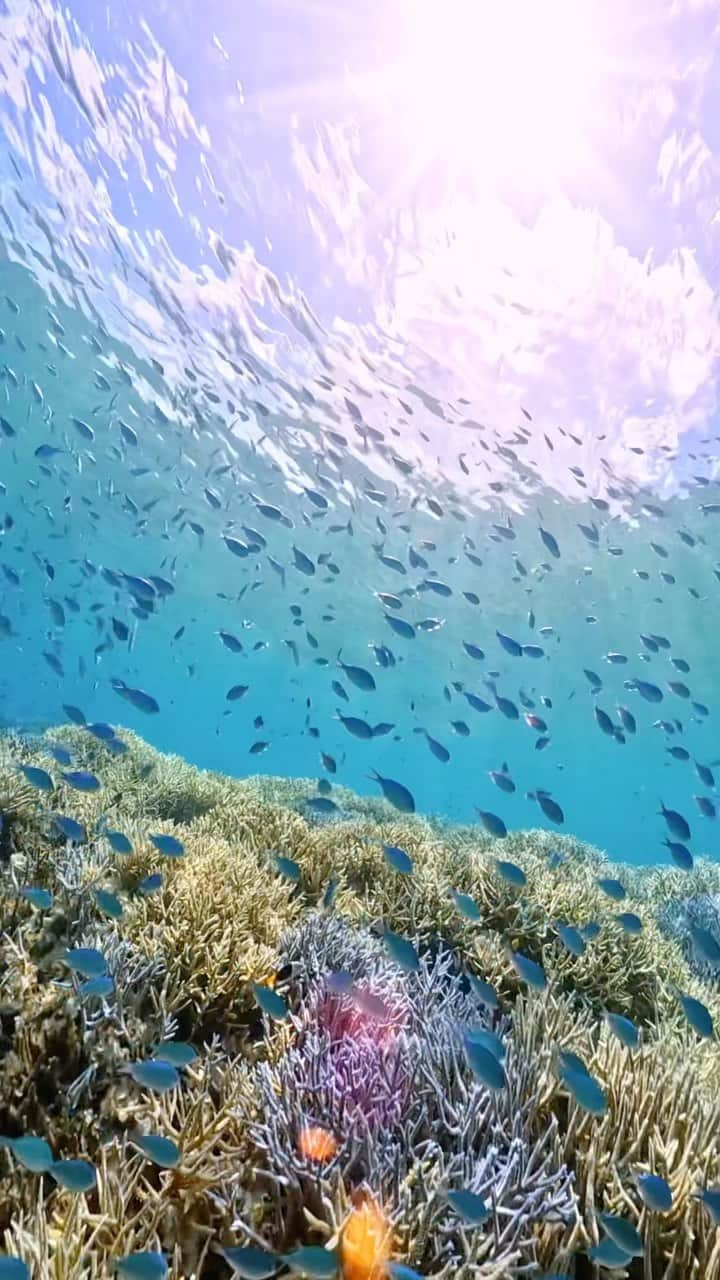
(257, 246)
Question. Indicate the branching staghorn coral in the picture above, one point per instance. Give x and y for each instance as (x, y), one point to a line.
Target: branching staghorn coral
(184, 959)
(404, 1114)
(216, 923)
(661, 1118)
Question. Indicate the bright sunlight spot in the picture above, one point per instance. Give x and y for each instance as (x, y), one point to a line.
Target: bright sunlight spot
(501, 86)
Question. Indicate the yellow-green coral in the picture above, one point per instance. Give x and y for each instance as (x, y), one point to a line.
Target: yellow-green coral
(217, 925)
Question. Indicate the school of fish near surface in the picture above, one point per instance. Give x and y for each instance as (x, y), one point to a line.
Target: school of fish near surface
(364, 1000)
(322, 618)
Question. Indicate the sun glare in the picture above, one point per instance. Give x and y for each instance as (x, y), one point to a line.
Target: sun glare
(500, 86)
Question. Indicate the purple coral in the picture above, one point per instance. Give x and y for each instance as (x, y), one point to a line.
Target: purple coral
(407, 1117)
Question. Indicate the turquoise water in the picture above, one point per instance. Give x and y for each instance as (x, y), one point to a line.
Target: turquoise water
(213, 272)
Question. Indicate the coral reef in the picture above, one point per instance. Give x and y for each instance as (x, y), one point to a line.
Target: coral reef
(349, 1116)
(678, 917)
(407, 1120)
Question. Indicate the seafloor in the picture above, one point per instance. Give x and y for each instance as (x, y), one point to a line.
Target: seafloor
(345, 1123)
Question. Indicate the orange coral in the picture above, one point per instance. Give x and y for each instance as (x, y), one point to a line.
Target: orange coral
(365, 1242)
(316, 1143)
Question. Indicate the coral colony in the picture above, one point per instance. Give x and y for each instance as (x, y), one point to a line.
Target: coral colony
(244, 1034)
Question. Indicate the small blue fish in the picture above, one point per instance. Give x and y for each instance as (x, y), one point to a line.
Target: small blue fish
(711, 1199)
(118, 842)
(648, 691)
(613, 888)
(474, 651)
(41, 899)
(625, 1235)
(77, 1176)
(484, 992)
(398, 860)
(103, 732)
(250, 1262)
(569, 1061)
(625, 1030)
(179, 1052)
(109, 903)
(395, 793)
(549, 540)
(151, 883)
(81, 780)
(33, 1154)
(586, 1091)
(329, 894)
(359, 676)
(697, 1015)
(630, 922)
(357, 727)
(511, 872)
(401, 951)
(139, 699)
(231, 642)
(655, 1192)
(72, 830)
(74, 713)
(677, 824)
(401, 628)
(87, 961)
(469, 1205)
(287, 867)
(509, 645)
(162, 1151)
(312, 1260)
(142, 1266)
(502, 780)
(528, 970)
(571, 938)
(681, 856)
(100, 988)
(489, 1040)
(155, 1074)
(706, 944)
(492, 823)
(477, 704)
(484, 1065)
(400, 1271)
(38, 778)
(270, 1002)
(322, 804)
(608, 1254)
(466, 905)
(12, 1268)
(168, 845)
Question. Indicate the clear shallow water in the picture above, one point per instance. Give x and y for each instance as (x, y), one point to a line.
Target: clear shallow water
(274, 291)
